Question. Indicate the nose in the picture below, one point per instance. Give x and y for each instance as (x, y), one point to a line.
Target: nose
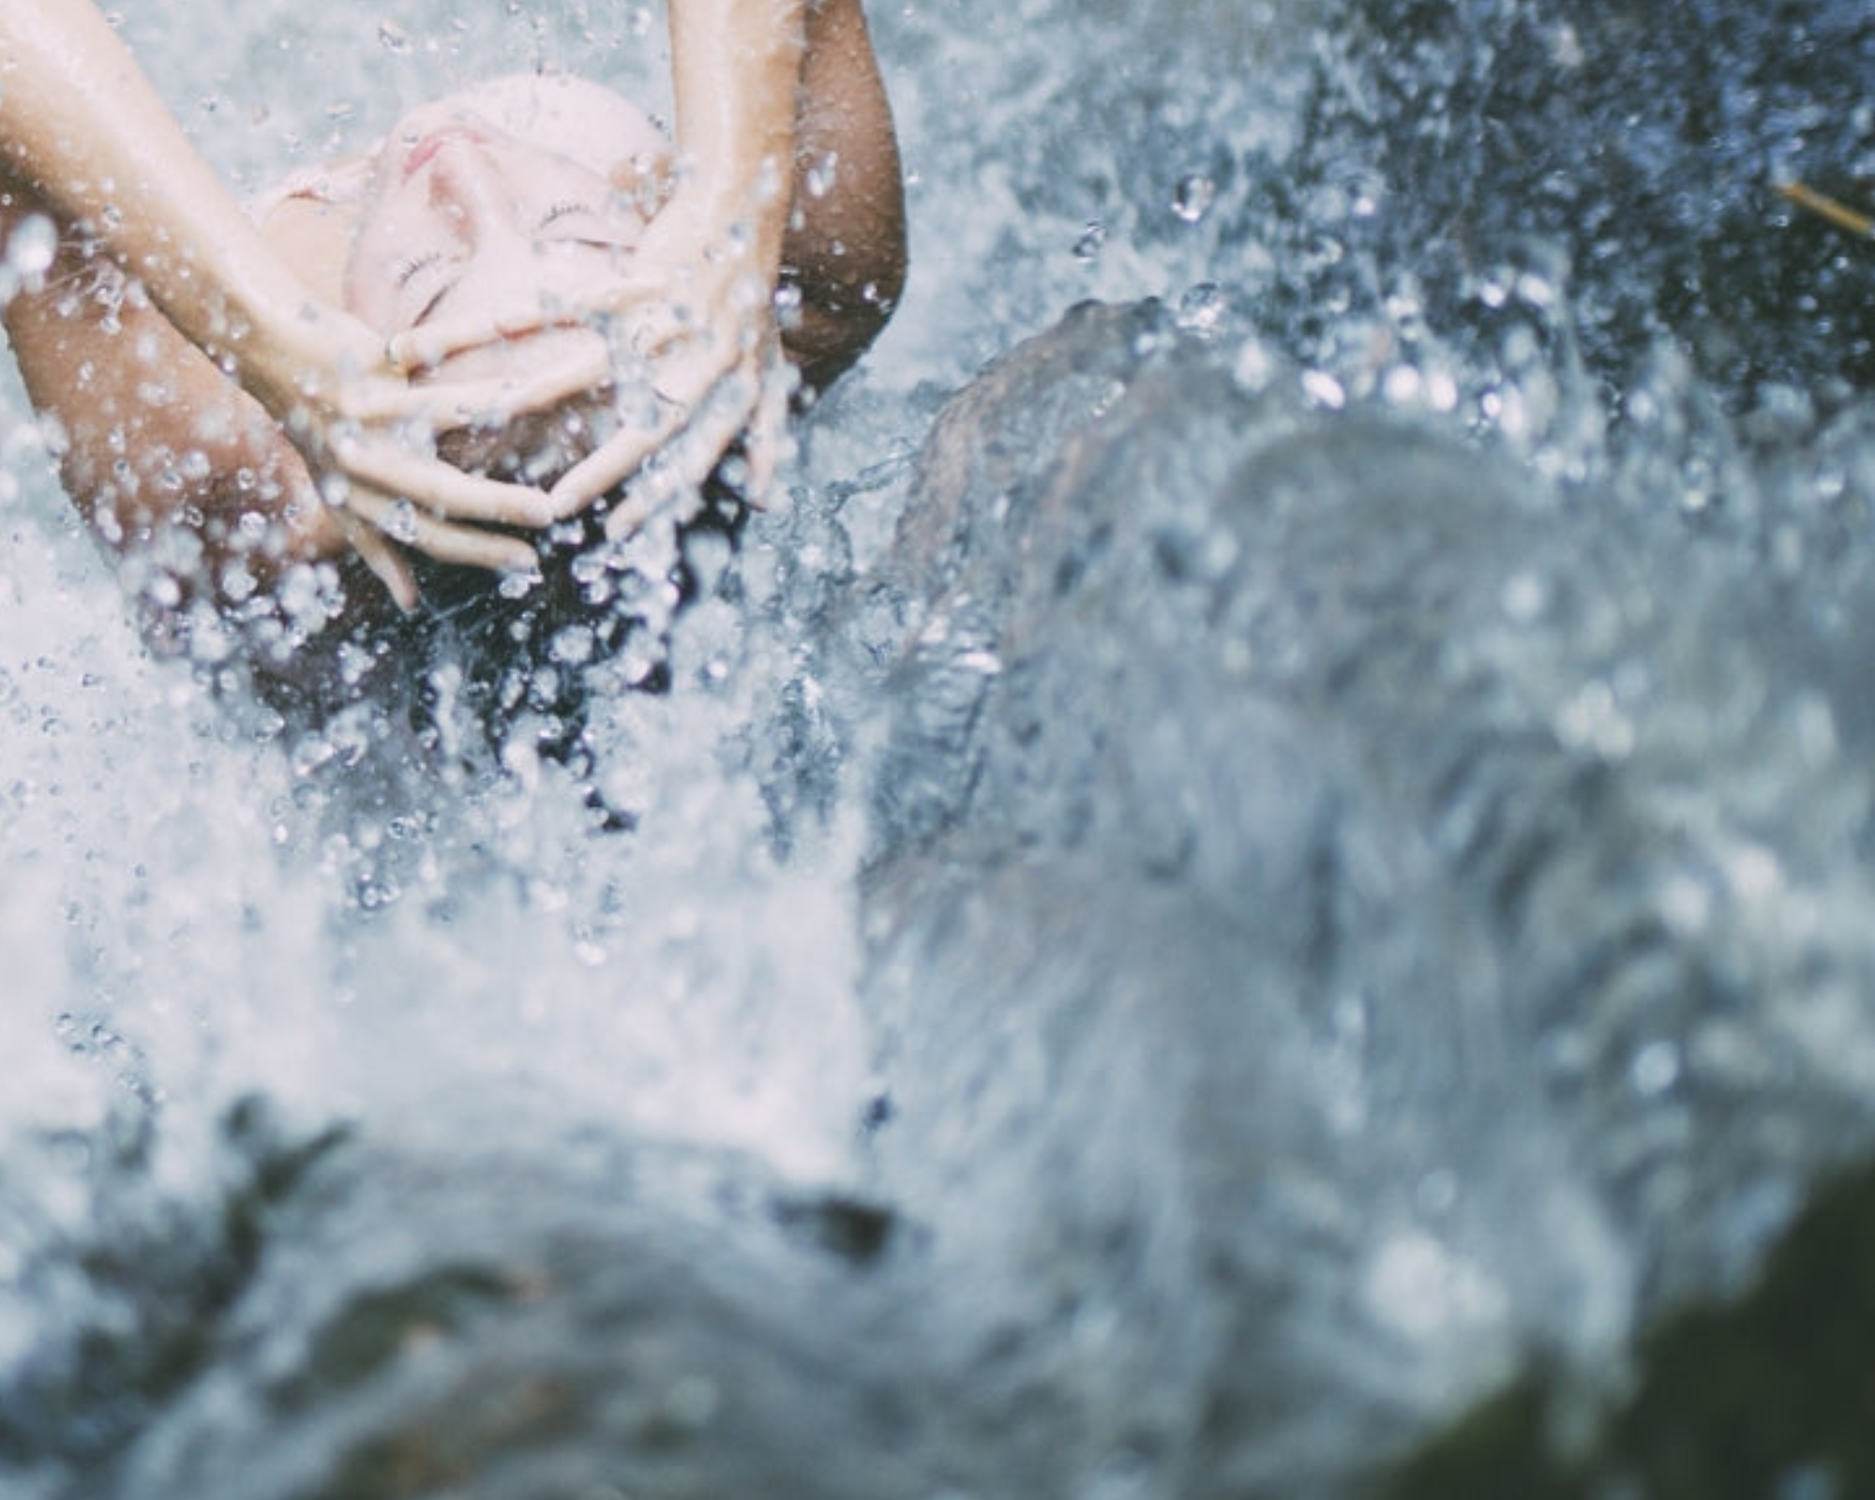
(467, 184)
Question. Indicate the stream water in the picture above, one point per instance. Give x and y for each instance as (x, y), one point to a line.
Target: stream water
(1303, 844)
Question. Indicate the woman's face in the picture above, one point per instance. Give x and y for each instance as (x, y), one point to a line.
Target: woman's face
(526, 187)
(529, 188)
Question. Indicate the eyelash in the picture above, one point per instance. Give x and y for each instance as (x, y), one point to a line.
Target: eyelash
(407, 272)
(561, 210)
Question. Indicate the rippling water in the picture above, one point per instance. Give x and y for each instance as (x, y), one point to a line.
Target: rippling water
(1314, 843)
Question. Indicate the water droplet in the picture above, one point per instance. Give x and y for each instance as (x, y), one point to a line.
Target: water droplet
(822, 175)
(394, 37)
(1093, 239)
(1441, 390)
(1252, 367)
(1202, 310)
(1655, 1069)
(31, 248)
(1535, 290)
(1400, 385)
(1524, 597)
(1324, 389)
(1193, 197)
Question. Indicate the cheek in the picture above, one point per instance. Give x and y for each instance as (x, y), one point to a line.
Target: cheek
(371, 286)
(387, 238)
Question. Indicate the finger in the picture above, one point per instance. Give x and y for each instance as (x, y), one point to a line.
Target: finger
(659, 330)
(450, 405)
(433, 342)
(674, 478)
(439, 487)
(681, 388)
(429, 344)
(382, 559)
(651, 495)
(404, 522)
(620, 455)
(582, 373)
(701, 447)
(766, 441)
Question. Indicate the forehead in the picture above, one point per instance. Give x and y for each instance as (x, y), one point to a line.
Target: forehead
(567, 116)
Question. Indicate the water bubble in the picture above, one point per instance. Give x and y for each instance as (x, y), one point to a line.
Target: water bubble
(1400, 385)
(1535, 290)
(1810, 1481)
(31, 248)
(1202, 310)
(1253, 366)
(1566, 49)
(1441, 390)
(1420, 1287)
(1654, 1069)
(1524, 597)
(1093, 239)
(822, 175)
(1324, 389)
(394, 38)
(1193, 197)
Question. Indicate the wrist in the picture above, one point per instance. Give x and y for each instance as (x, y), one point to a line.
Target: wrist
(289, 356)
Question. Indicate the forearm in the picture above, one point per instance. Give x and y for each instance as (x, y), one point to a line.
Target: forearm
(82, 127)
(736, 69)
(152, 439)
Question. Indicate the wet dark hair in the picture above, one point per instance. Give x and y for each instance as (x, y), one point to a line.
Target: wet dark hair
(498, 661)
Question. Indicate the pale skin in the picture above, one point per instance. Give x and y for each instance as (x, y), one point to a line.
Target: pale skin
(658, 273)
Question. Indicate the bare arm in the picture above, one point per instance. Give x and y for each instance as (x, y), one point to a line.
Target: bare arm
(157, 448)
(735, 67)
(769, 94)
(81, 127)
(845, 247)
(84, 134)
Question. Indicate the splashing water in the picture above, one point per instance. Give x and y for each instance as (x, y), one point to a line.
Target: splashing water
(372, 1123)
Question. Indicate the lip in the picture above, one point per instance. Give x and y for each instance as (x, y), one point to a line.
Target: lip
(426, 149)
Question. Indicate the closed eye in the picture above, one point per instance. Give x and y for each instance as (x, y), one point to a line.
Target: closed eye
(428, 310)
(593, 226)
(563, 210)
(414, 267)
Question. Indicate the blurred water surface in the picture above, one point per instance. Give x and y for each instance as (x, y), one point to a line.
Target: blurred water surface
(1309, 841)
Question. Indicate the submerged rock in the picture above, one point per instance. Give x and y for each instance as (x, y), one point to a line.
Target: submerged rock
(1341, 908)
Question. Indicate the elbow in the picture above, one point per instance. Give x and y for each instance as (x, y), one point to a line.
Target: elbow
(843, 297)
